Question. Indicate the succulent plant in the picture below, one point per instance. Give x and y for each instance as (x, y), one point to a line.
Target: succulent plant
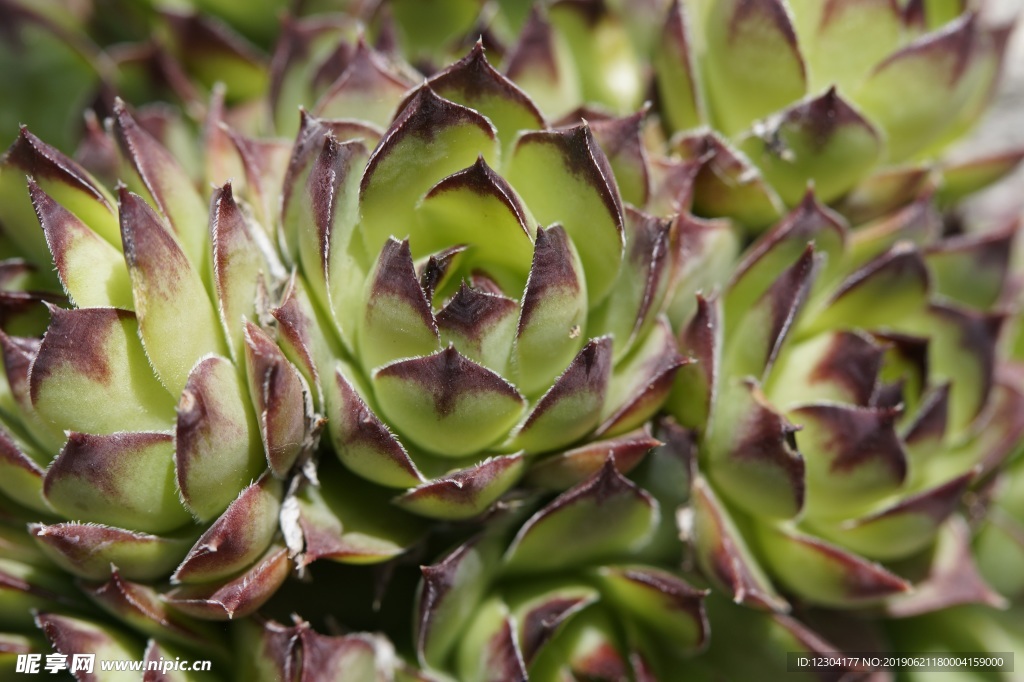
(450, 314)
(849, 392)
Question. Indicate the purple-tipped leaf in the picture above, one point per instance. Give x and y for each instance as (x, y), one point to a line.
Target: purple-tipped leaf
(564, 177)
(571, 408)
(237, 538)
(467, 492)
(567, 469)
(552, 314)
(92, 375)
(169, 295)
(750, 457)
(397, 320)
(281, 399)
(753, 66)
(217, 440)
(363, 443)
(167, 183)
(825, 574)
(368, 90)
(604, 516)
(446, 403)
(92, 271)
(430, 139)
(236, 598)
(125, 480)
(723, 553)
(88, 550)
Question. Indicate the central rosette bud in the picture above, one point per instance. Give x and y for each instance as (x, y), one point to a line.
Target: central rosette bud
(493, 297)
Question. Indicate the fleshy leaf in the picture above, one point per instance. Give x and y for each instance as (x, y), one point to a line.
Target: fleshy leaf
(473, 82)
(953, 580)
(465, 493)
(345, 520)
(553, 312)
(21, 477)
(450, 592)
(237, 266)
(236, 598)
(837, 367)
(237, 538)
(693, 392)
(431, 139)
(780, 248)
(541, 64)
(933, 76)
(217, 441)
(326, 214)
(368, 89)
(362, 441)
(853, 455)
(92, 271)
(571, 408)
(91, 374)
(903, 528)
(622, 140)
(642, 284)
(481, 325)
(124, 480)
(564, 177)
(749, 455)
(728, 184)
(169, 294)
(397, 321)
(883, 192)
(676, 71)
(71, 636)
(169, 186)
(446, 403)
(722, 552)
(831, 39)
(604, 516)
(69, 184)
(825, 574)
(665, 606)
(281, 399)
(899, 277)
(564, 470)
(823, 140)
(477, 207)
(641, 383)
(967, 177)
(962, 352)
(89, 550)
(757, 337)
(972, 269)
(141, 608)
(753, 66)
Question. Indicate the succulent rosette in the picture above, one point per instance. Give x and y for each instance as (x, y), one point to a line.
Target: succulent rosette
(849, 394)
(494, 298)
(795, 93)
(151, 437)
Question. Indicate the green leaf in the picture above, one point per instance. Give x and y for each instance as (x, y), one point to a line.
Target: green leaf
(124, 479)
(91, 375)
(169, 296)
(564, 177)
(604, 517)
(217, 441)
(753, 66)
(89, 550)
(431, 139)
(446, 403)
(92, 271)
